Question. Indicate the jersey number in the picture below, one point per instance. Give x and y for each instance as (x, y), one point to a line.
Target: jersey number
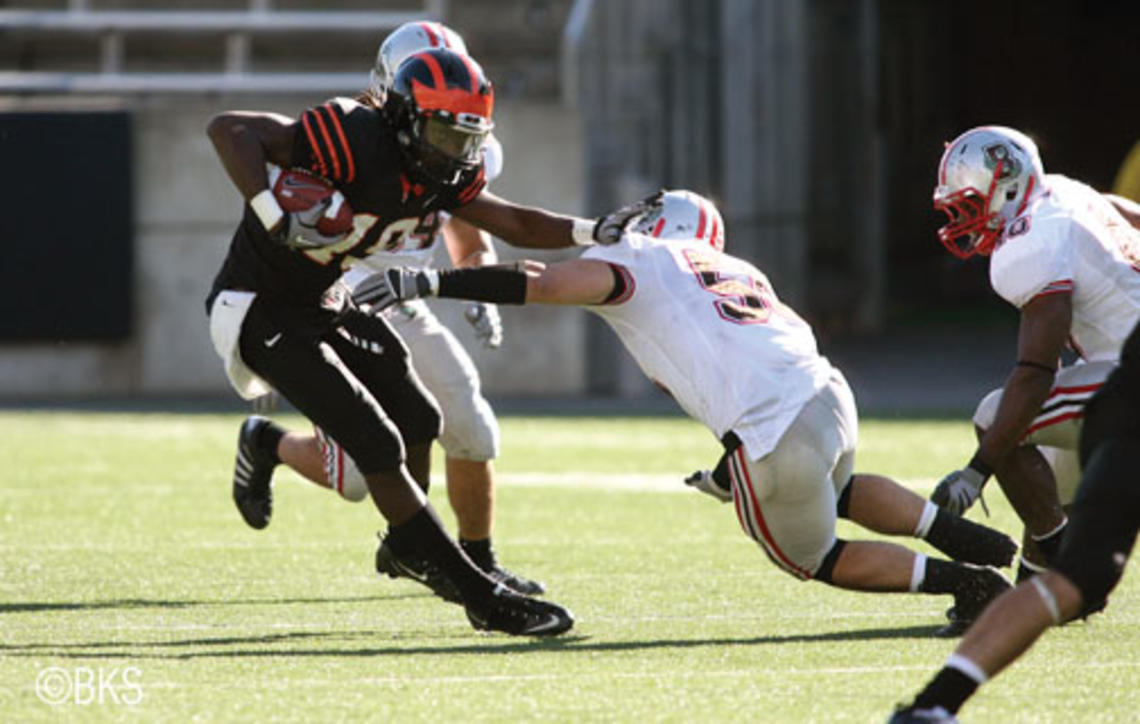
(742, 298)
(394, 237)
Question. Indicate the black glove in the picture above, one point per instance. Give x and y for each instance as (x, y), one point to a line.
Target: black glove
(609, 228)
(391, 286)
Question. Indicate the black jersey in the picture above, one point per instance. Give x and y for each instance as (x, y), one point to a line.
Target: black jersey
(353, 146)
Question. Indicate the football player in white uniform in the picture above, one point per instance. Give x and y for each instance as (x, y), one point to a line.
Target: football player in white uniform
(1068, 258)
(470, 434)
(708, 328)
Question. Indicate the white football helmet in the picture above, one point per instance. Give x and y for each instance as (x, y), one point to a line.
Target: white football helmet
(683, 215)
(402, 42)
(987, 177)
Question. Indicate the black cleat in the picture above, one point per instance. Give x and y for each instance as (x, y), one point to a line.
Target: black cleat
(514, 581)
(972, 598)
(483, 556)
(912, 715)
(420, 571)
(253, 474)
(519, 615)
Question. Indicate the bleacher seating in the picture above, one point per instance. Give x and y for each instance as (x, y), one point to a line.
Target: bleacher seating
(138, 46)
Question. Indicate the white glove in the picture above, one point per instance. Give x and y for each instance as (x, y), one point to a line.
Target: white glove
(398, 284)
(609, 228)
(956, 492)
(703, 481)
(484, 318)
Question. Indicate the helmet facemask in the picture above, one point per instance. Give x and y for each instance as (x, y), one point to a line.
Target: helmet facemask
(973, 228)
(447, 145)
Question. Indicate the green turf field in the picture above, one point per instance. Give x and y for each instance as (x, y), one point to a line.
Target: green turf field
(122, 556)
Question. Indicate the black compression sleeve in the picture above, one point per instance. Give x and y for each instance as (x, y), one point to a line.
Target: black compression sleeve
(499, 284)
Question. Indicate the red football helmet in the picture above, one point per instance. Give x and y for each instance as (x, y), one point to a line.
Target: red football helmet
(440, 104)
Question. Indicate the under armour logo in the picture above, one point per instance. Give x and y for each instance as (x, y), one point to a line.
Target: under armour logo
(366, 344)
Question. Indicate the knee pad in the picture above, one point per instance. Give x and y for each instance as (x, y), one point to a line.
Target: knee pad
(470, 430)
(341, 472)
(987, 409)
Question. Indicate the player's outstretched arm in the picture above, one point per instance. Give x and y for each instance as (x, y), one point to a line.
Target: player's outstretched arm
(578, 281)
(245, 141)
(525, 226)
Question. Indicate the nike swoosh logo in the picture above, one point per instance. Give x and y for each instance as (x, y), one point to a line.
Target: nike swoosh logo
(412, 573)
(549, 625)
(270, 341)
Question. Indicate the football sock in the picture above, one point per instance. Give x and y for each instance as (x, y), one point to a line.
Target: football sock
(965, 540)
(423, 536)
(952, 686)
(267, 436)
(479, 551)
(941, 576)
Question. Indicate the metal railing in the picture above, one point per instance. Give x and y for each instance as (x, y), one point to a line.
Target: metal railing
(114, 27)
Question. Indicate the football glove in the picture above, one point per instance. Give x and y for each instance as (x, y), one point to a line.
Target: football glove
(956, 492)
(398, 284)
(704, 481)
(485, 320)
(609, 228)
(299, 229)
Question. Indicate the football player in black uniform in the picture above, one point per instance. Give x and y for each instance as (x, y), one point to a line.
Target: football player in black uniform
(1099, 539)
(277, 314)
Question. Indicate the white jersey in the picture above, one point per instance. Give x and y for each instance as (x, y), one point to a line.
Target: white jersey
(421, 256)
(1072, 240)
(708, 327)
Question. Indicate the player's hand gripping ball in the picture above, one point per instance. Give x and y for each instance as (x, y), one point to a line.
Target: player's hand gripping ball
(316, 213)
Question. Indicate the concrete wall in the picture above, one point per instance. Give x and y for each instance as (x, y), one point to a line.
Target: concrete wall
(186, 210)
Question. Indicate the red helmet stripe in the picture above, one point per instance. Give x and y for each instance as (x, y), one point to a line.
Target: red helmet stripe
(453, 100)
(658, 227)
(436, 71)
(431, 34)
(701, 221)
(473, 75)
(713, 232)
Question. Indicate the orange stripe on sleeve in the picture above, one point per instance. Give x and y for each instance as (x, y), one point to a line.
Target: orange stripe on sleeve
(313, 143)
(329, 145)
(343, 143)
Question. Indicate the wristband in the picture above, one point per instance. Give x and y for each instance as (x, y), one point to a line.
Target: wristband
(582, 232)
(265, 205)
(980, 467)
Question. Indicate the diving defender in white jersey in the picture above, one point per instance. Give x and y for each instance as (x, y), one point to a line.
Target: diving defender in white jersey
(709, 328)
(1068, 257)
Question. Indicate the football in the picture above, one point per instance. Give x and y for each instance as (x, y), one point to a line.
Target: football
(298, 190)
